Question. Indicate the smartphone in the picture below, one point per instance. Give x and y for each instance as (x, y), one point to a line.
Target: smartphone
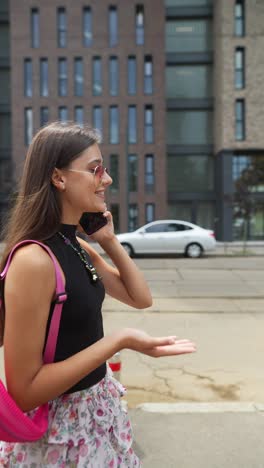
(92, 222)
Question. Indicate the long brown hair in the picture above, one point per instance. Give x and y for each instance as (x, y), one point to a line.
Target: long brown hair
(37, 211)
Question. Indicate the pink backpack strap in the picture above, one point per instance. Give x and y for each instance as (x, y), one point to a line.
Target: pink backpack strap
(61, 297)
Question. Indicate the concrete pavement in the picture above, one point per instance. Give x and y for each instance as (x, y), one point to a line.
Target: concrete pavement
(230, 438)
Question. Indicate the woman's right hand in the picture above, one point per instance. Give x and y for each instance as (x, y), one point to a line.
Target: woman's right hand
(140, 341)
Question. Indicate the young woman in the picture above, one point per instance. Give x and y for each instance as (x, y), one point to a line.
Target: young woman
(64, 177)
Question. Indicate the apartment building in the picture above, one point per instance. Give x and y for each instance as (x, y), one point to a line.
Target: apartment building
(175, 88)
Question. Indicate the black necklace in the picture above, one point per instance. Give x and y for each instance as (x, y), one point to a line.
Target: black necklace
(82, 255)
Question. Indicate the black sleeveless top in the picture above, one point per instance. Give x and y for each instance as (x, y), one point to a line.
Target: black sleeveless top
(81, 319)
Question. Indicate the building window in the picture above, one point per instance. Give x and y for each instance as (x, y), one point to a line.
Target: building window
(28, 91)
(115, 214)
(78, 76)
(189, 127)
(239, 18)
(193, 173)
(98, 119)
(44, 77)
(87, 27)
(132, 124)
(44, 116)
(63, 77)
(139, 24)
(149, 212)
(131, 75)
(79, 115)
(132, 217)
(114, 173)
(113, 26)
(62, 27)
(114, 125)
(132, 172)
(113, 76)
(35, 34)
(97, 76)
(240, 119)
(189, 81)
(148, 75)
(192, 3)
(240, 68)
(63, 114)
(149, 173)
(148, 124)
(190, 35)
(28, 125)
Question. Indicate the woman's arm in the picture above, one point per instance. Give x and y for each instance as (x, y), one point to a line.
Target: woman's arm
(29, 289)
(125, 283)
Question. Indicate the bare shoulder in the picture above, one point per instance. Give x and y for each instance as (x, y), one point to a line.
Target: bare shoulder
(32, 258)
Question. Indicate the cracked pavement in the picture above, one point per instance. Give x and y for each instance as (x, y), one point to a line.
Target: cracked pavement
(216, 302)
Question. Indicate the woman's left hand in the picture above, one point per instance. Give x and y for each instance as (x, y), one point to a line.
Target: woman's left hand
(106, 232)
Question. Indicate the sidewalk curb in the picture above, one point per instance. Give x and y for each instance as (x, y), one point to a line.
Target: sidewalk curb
(214, 407)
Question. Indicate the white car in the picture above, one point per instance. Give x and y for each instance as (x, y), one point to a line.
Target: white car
(168, 236)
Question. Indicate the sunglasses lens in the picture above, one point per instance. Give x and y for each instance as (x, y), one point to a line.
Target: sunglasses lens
(100, 170)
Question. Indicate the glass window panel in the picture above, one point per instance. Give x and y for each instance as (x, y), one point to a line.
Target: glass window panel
(114, 172)
(115, 214)
(79, 115)
(148, 75)
(78, 76)
(205, 215)
(114, 125)
(190, 173)
(239, 18)
(240, 119)
(148, 130)
(139, 24)
(4, 41)
(97, 76)
(189, 81)
(5, 131)
(132, 75)
(63, 77)
(132, 217)
(180, 211)
(113, 76)
(192, 3)
(98, 119)
(113, 27)
(28, 91)
(28, 125)
(35, 34)
(149, 212)
(44, 77)
(87, 27)
(4, 6)
(132, 124)
(149, 173)
(194, 35)
(63, 114)
(62, 27)
(239, 67)
(5, 86)
(44, 116)
(189, 127)
(250, 170)
(132, 172)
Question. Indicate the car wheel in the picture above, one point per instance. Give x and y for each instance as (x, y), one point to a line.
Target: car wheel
(129, 250)
(193, 250)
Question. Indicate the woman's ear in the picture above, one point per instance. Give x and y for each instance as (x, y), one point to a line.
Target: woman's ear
(57, 179)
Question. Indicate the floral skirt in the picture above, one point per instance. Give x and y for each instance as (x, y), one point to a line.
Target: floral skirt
(87, 429)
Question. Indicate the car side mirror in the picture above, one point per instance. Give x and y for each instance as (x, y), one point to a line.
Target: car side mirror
(142, 231)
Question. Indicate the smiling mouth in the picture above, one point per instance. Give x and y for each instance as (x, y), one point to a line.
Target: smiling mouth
(100, 194)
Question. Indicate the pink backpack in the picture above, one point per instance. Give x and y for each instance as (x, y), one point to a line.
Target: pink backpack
(15, 425)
